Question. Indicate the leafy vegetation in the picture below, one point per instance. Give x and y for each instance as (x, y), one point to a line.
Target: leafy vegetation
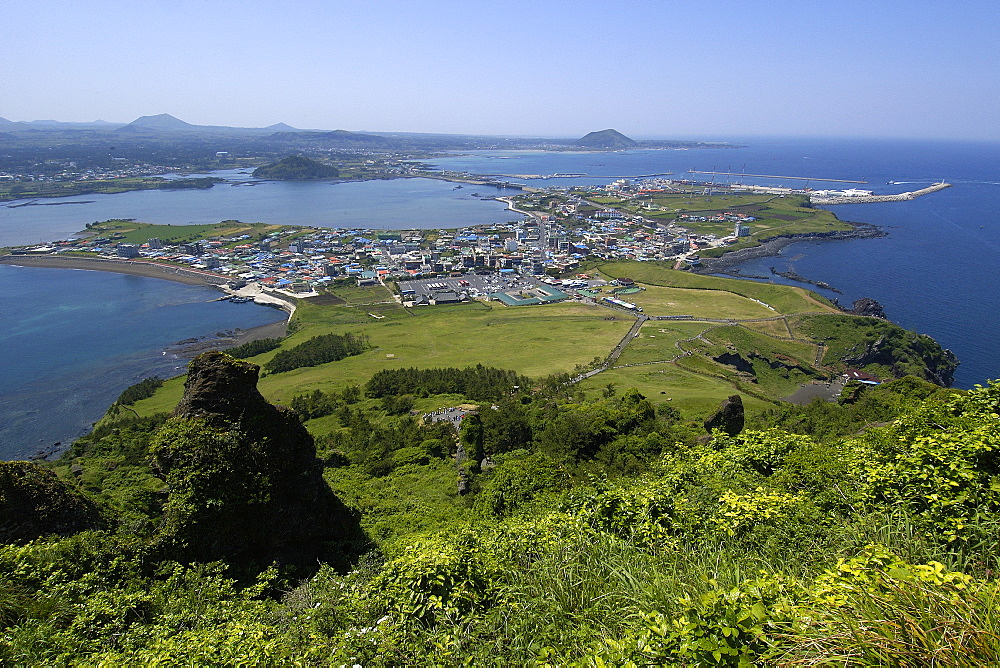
(561, 523)
(317, 350)
(144, 389)
(296, 168)
(598, 532)
(479, 383)
(253, 348)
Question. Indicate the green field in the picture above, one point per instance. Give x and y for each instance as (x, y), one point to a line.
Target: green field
(656, 300)
(131, 232)
(657, 341)
(695, 396)
(537, 341)
(774, 214)
(785, 299)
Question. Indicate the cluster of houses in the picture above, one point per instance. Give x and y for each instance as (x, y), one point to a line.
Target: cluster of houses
(560, 232)
(70, 172)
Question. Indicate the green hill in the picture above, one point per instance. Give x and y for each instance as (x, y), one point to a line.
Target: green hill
(296, 168)
(605, 139)
(562, 523)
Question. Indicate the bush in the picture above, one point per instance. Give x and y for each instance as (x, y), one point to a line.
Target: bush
(254, 348)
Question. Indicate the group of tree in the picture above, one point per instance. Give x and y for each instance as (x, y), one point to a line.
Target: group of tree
(317, 350)
(317, 403)
(254, 348)
(479, 383)
(607, 531)
(144, 389)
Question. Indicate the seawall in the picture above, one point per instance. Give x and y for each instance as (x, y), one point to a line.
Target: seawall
(870, 199)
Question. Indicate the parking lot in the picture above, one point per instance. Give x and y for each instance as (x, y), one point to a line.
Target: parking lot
(473, 285)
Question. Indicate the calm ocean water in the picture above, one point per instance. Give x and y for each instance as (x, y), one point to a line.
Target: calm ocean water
(72, 340)
(935, 272)
(396, 204)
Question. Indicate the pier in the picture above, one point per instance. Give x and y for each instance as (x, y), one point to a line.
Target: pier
(870, 199)
(774, 176)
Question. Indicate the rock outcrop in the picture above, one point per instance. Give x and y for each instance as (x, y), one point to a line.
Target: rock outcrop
(35, 503)
(906, 353)
(729, 418)
(868, 307)
(244, 482)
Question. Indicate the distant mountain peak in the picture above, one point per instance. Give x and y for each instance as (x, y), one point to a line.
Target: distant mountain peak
(605, 139)
(281, 127)
(161, 122)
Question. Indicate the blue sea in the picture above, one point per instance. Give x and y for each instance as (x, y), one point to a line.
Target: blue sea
(936, 272)
(396, 204)
(72, 340)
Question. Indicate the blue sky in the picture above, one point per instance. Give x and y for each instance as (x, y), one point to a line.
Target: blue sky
(672, 68)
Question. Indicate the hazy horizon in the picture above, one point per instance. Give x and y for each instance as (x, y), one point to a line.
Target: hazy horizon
(714, 69)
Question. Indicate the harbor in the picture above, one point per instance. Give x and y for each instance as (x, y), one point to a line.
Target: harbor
(818, 198)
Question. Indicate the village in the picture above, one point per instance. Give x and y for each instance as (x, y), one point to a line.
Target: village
(561, 228)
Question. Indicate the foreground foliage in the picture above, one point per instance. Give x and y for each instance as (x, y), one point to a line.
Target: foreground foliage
(598, 533)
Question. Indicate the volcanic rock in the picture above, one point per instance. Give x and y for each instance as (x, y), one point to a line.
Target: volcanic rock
(729, 418)
(244, 482)
(35, 503)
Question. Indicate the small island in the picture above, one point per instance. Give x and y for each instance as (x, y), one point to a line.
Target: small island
(605, 140)
(296, 168)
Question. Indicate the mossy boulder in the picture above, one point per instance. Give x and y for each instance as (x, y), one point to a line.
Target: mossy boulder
(34, 503)
(244, 482)
(729, 418)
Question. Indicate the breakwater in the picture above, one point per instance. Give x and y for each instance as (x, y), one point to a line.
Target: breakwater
(869, 199)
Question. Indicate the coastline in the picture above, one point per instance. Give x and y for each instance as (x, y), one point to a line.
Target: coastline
(131, 267)
(183, 350)
(726, 264)
(151, 270)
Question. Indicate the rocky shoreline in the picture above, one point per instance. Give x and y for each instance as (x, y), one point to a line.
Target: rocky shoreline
(772, 247)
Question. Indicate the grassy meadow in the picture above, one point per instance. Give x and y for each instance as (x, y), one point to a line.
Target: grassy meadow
(537, 341)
